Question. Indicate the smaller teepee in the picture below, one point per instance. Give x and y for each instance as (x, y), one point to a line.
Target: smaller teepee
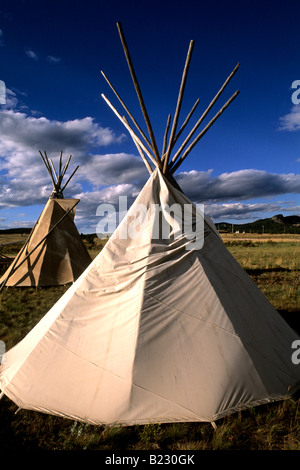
(54, 253)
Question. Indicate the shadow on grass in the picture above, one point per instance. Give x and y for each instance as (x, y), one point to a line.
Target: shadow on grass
(292, 318)
(258, 272)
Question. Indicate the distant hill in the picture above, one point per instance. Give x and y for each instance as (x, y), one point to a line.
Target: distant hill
(276, 224)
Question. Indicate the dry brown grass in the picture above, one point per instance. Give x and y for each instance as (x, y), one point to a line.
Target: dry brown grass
(274, 265)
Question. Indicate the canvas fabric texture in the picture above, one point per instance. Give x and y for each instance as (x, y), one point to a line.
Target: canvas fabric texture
(153, 332)
(62, 256)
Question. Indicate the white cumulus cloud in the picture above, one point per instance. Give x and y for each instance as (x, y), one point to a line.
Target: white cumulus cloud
(53, 60)
(31, 54)
(104, 176)
(291, 121)
(238, 185)
(23, 179)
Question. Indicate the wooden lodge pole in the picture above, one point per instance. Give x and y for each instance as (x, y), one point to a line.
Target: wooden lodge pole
(175, 157)
(192, 145)
(139, 94)
(125, 123)
(128, 112)
(178, 106)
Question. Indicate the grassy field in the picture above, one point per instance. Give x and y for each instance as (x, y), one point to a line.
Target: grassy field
(273, 263)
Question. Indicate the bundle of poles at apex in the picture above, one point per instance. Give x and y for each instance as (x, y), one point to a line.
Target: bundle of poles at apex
(147, 147)
(57, 176)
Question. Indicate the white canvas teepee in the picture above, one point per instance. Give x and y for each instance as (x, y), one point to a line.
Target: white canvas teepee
(54, 253)
(155, 329)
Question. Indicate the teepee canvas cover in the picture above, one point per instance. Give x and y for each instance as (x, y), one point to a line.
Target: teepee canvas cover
(54, 253)
(154, 330)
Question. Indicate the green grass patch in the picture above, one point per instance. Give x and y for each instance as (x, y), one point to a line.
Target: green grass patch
(274, 266)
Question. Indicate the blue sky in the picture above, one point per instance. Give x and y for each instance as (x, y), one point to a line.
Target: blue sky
(52, 52)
